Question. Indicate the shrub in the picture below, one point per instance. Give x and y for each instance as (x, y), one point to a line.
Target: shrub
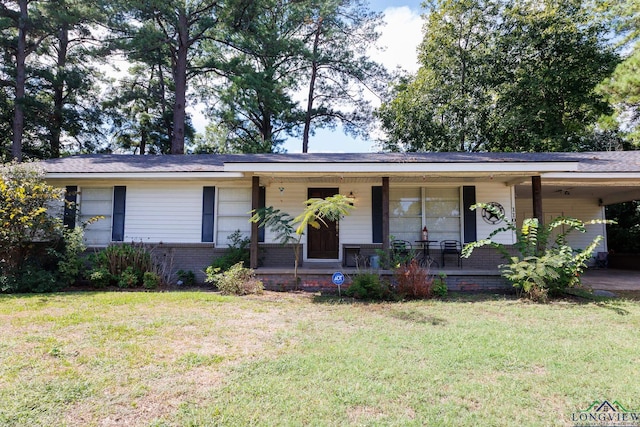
(188, 278)
(413, 280)
(238, 251)
(368, 286)
(71, 264)
(543, 268)
(30, 238)
(150, 280)
(24, 200)
(31, 278)
(124, 265)
(118, 258)
(101, 278)
(439, 286)
(237, 280)
(128, 278)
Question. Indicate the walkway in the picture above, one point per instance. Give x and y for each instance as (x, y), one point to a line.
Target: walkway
(612, 280)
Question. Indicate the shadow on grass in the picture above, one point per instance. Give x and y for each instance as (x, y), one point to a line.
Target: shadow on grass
(575, 297)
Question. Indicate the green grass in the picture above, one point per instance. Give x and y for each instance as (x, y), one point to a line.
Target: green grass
(200, 359)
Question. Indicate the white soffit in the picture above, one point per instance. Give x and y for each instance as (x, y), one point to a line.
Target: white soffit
(451, 167)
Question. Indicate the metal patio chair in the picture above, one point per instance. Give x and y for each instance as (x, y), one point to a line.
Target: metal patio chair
(451, 247)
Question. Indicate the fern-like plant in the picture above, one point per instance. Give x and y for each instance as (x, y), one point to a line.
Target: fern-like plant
(289, 230)
(542, 266)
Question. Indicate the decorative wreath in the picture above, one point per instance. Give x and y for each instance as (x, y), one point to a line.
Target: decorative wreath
(491, 217)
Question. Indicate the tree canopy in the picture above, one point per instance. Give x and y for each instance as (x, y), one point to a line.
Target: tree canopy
(508, 76)
(518, 75)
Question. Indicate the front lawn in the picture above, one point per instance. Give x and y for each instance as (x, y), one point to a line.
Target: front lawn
(197, 358)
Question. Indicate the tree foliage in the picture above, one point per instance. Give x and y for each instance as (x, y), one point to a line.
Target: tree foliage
(51, 75)
(497, 75)
(275, 49)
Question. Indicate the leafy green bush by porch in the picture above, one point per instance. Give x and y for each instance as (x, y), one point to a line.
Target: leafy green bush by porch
(543, 267)
(236, 280)
(125, 265)
(237, 251)
(37, 254)
(369, 286)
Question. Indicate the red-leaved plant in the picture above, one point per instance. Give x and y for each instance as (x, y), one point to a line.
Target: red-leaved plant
(414, 281)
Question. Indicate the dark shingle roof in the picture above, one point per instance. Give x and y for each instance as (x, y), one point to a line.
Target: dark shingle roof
(605, 161)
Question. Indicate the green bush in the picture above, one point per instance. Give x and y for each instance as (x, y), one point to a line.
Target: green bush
(238, 251)
(34, 254)
(150, 280)
(439, 286)
(129, 278)
(123, 264)
(71, 264)
(31, 278)
(543, 267)
(237, 280)
(369, 286)
(26, 227)
(188, 278)
(101, 278)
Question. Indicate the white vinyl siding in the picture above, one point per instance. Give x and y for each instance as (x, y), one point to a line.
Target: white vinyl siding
(356, 227)
(232, 213)
(583, 209)
(170, 213)
(95, 202)
(500, 193)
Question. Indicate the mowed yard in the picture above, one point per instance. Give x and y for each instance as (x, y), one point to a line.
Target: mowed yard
(201, 359)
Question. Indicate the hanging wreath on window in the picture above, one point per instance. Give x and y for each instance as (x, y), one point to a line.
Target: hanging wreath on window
(491, 217)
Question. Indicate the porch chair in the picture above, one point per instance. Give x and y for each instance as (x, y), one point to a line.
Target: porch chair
(401, 249)
(602, 260)
(451, 247)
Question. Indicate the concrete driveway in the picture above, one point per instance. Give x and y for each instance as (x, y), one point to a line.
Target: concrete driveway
(612, 280)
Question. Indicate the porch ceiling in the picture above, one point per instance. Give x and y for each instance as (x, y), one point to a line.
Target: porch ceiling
(608, 193)
(393, 178)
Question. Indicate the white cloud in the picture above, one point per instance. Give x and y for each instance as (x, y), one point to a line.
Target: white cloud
(400, 36)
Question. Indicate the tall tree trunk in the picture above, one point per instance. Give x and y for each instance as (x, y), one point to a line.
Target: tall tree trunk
(180, 76)
(58, 91)
(312, 85)
(21, 56)
(267, 133)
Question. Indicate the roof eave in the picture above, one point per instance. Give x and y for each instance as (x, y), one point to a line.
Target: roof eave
(533, 168)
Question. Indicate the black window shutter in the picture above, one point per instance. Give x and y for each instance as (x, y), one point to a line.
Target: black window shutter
(119, 204)
(70, 203)
(469, 199)
(262, 203)
(376, 213)
(208, 205)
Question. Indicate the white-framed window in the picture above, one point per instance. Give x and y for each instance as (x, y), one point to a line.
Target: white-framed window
(234, 205)
(437, 208)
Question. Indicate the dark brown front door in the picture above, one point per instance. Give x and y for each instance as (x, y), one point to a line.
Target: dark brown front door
(322, 243)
